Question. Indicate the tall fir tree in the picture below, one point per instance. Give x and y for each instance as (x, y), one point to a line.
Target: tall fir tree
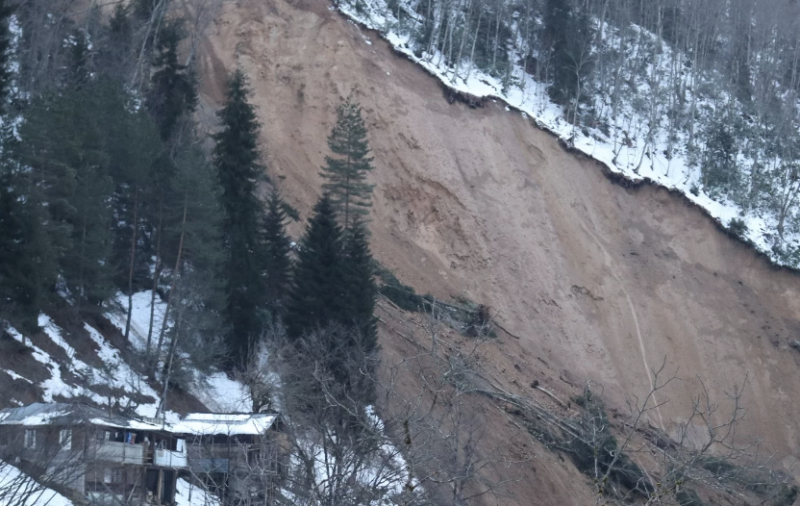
(557, 20)
(173, 90)
(236, 158)
(78, 60)
(5, 52)
(346, 172)
(316, 298)
(568, 36)
(25, 269)
(195, 250)
(277, 263)
(361, 290)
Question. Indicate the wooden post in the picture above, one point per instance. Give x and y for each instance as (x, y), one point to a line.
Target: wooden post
(160, 487)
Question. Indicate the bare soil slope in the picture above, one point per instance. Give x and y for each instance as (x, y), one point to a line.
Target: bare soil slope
(599, 282)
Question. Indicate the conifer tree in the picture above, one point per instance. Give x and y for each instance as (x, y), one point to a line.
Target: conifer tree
(361, 290)
(557, 20)
(86, 268)
(346, 171)
(79, 60)
(276, 255)
(5, 47)
(236, 158)
(22, 278)
(196, 252)
(316, 297)
(173, 91)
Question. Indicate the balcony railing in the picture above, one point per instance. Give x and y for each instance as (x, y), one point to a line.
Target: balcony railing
(120, 453)
(169, 458)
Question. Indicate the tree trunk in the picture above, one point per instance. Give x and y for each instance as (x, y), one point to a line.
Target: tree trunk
(156, 278)
(172, 293)
(81, 290)
(168, 368)
(133, 261)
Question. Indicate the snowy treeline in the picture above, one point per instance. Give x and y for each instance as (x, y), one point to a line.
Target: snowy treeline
(700, 95)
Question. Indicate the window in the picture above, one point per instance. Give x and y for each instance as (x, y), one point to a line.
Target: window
(113, 475)
(65, 439)
(30, 439)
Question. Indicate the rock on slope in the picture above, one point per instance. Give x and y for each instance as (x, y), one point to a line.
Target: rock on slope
(599, 282)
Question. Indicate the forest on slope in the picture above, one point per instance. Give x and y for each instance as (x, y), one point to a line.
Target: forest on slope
(698, 95)
(109, 187)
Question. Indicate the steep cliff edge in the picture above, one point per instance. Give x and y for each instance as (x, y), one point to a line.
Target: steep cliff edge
(601, 283)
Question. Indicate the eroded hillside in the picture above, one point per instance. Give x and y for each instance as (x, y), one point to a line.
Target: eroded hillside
(598, 282)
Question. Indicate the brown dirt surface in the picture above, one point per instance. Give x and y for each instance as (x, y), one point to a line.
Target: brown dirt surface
(600, 282)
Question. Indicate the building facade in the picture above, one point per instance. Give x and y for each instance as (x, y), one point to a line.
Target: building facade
(95, 456)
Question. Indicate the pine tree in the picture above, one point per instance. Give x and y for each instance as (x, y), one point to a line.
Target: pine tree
(5, 47)
(173, 91)
(115, 54)
(86, 267)
(361, 290)
(316, 297)
(79, 60)
(346, 172)
(22, 280)
(236, 158)
(557, 21)
(197, 293)
(276, 255)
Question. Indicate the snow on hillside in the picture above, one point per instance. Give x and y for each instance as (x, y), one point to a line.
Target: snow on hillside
(19, 489)
(216, 391)
(187, 494)
(140, 317)
(635, 160)
(114, 373)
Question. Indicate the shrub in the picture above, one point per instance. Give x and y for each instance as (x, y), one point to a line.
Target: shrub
(738, 226)
(404, 296)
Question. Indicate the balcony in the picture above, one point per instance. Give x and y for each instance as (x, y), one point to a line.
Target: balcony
(120, 453)
(169, 458)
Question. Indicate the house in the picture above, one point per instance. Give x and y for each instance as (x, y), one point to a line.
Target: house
(92, 453)
(239, 456)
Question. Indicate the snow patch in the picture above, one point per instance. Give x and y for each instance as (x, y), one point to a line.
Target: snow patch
(187, 494)
(19, 489)
(221, 394)
(140, 317)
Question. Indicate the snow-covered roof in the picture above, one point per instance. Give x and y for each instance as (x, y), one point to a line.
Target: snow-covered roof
(38, 414)
(205, 424)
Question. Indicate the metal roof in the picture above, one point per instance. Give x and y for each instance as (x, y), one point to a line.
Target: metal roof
(61, 413)
(204, 424)
(198, 424)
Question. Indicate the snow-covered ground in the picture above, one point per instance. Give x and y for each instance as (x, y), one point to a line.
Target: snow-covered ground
(635, 160)
(222, 394)
(114, 373)
(218, 392)
(19, 489)
(187, 494)
(140, 317)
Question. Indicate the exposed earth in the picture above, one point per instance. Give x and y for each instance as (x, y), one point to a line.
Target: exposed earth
(593, 281)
